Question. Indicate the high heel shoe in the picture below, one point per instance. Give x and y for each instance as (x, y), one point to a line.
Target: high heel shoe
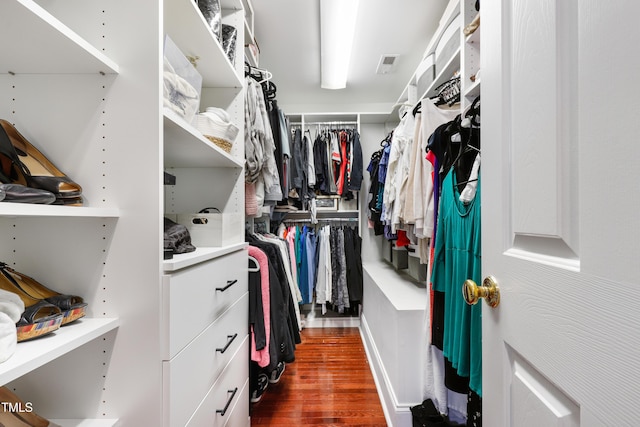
(21, 410)
(36, 170)
(39, 317)
(73, 307)
(11, 171)
(10, 419)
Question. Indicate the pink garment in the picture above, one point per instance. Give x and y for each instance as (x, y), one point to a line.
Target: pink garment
(250, 200)
(262, 356)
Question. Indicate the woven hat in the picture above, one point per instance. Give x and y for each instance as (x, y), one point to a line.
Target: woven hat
(215, 124)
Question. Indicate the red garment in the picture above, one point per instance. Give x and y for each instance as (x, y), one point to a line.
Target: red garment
(402, 239)
(343, 163)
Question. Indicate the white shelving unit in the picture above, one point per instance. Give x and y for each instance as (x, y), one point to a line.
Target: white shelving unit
(396, 300)
(249, 37)
(33, 354)
(82, 81)
(64, 51)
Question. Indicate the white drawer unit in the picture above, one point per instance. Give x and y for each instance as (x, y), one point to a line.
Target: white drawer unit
(194, 297)
(227, 403)
(189, 376)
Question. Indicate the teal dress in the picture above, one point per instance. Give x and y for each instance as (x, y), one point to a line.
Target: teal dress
(458, 258)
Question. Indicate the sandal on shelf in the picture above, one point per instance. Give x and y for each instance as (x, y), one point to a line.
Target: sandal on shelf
(22, 412)
(73, 307)
(10, 419)
(38, 171)
(39, 317)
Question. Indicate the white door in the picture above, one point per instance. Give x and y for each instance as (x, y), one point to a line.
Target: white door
(561, 212)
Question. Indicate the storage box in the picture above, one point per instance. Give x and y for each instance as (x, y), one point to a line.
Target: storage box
(415, 269)
(213, 229)
(182, 84)
(212, 14)
(448, 44)
(425, 74)
(229, 37)
(386, 249)
(399, 258)
(327, 203)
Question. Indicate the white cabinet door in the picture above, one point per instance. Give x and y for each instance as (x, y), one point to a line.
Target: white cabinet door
(560, 203)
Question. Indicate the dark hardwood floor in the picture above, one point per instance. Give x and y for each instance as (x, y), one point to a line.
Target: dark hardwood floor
(329, 384)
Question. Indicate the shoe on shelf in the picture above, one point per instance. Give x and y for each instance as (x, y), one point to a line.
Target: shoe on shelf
(21, 412)
(73, 307)
(10, 419)
(263, 383)
(24, 164)
(17, 193)
(38, 318)
(275, 375)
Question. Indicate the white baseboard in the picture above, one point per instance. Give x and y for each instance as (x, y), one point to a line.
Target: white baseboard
(397, 415)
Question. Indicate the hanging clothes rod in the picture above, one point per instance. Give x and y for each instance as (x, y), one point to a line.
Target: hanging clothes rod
(322, 123)
(307, 220)
(331, 123)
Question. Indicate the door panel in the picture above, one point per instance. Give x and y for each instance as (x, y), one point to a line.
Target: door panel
(542, 81)
(537, 402)
(560, 203)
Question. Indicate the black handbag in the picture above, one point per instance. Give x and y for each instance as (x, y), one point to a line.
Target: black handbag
(176, 238)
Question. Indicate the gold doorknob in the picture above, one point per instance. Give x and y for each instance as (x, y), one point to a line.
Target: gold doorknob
(489, 291)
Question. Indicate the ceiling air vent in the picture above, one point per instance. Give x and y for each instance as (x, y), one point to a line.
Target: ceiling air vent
(387, 64)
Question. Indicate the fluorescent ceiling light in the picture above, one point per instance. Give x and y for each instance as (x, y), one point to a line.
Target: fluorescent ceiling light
(337, 28)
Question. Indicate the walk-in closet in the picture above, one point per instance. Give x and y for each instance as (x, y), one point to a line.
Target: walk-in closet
(323, 212)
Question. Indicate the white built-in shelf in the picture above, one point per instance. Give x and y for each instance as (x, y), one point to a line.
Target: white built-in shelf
(248, 38)
(185, 146)
(248, 16)
(371, 118)
(443, 75)
(85, 423)
(35, 42)
(184, 23)
(30, 355)
(199, 255)
(474, 38)
(248, 32)
(399, 288)
(322, 214)
(473, 90)
(33, 210)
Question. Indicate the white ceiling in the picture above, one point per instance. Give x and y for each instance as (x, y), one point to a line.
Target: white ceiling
(288, 33)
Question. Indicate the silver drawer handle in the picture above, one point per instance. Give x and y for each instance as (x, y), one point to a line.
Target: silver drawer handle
(230, 283)
(230, 339)
(233, 394)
